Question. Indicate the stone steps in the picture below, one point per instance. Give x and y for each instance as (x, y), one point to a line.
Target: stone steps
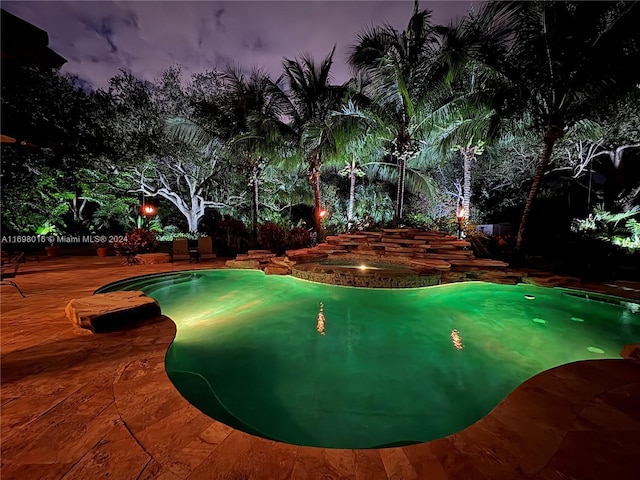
(433, 250)
(403, 250)
(403, 241)
(432, 263)
(432, 235)
(478, 263)
(273, 269)
(307, 257)
(255, 255)
(243, 264)
(450, 255)
(392, 241)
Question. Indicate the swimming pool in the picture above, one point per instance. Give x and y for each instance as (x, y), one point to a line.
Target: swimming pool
(388, 367)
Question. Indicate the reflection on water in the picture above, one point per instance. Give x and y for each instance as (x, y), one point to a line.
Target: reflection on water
(456, 339)
(321, 320)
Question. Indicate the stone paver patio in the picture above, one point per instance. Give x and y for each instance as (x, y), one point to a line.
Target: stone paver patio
(82, 406)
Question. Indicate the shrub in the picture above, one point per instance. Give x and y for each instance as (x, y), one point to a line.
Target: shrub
(138, 241)
(278, 239)
(417, 220)
(618, 228)
(273, 237)
(170, 232)
(590, 258)
(298, 237)
(230, 236)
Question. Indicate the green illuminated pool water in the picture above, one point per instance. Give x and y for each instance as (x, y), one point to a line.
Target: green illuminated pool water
(393, 367)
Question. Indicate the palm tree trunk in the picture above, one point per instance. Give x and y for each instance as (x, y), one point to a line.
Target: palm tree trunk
(314, 178)
(402, 167)
(467, 159)
(352, 199)
(552, 134)
(255, 204)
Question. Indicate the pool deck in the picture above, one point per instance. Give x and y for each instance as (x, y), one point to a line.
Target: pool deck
(82, 406)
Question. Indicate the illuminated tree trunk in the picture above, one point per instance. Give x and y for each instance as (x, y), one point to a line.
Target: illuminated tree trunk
(193, 218)
(352, 197)
(255, 180)
(552, 134)
(402, 168)
(192, 205)
(468, 156)
(314, 178)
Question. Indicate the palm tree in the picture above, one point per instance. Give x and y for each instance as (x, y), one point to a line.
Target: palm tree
(398, 66)
(314, 99)
(367, 137)
(362, 138)
(354, 143)
(464, 125)
(560, 62)
(258, 107)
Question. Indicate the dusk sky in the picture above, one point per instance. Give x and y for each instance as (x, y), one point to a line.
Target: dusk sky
(146, 37)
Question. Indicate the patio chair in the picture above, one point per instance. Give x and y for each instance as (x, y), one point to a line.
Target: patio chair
(205, 248)
(10, 270)
(180, 249)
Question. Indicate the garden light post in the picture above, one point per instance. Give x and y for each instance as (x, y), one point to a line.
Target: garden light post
(460, 217)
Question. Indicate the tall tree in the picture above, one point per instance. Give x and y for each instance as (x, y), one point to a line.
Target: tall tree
(355, 147)
(192, 178)
(189, 172)
(314, 99)
(258, 107)
(464, 125)
(366, 138)
(244, 120)
(60, 131)
(398, 66)
(560, 62)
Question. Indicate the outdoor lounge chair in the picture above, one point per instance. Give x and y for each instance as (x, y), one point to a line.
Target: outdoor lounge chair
(180, 249)
(205, 248)
(10, 270)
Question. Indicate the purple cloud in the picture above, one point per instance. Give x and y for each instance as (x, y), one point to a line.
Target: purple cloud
(99, 38)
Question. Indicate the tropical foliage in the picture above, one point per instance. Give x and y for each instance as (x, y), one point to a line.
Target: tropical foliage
(398, 70)
(522, 112)
(558, 62)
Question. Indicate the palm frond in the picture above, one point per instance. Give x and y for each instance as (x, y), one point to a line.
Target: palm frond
(187, 131)
(420, 182)
(585, 129)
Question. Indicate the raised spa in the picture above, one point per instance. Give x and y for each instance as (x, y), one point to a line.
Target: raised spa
(358, 272)
(329, 366)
